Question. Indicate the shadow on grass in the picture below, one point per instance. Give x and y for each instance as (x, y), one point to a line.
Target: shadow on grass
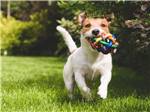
(127, 83)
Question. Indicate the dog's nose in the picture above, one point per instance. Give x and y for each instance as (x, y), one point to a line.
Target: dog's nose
(95, 32)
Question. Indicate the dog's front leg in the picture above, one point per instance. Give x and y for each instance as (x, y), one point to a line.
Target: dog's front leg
(80, 80)
(105, 79)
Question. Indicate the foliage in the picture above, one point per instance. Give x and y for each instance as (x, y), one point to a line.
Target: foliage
(35, 84)
(17, 34)
(39, 15)
(23, 9)
(9, 32)
(136, 41)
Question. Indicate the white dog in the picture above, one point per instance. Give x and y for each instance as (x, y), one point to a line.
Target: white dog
(85, 62)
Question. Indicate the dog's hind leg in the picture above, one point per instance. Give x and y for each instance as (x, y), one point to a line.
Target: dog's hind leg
(68, 79)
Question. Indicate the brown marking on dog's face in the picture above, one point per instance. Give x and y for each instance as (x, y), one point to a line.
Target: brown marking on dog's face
(89, 23)
(92, 25)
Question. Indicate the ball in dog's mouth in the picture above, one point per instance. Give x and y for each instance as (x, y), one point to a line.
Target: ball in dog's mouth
(105, 45)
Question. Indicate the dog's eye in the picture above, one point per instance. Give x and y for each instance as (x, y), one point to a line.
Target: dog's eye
(88, 25)
(103, 25)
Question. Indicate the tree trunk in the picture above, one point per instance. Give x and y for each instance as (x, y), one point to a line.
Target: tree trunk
(8, 9)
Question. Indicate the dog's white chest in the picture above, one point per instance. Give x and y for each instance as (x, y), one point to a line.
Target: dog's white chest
(91, 71)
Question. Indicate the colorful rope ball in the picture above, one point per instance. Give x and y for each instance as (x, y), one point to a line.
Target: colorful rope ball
(104, 43)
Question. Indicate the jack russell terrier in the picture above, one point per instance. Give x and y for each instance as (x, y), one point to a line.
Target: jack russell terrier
(85, 62)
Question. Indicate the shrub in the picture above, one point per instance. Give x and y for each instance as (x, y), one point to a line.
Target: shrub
(17, 35)
(10, 32)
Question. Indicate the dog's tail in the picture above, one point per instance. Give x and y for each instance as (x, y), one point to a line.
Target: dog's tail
(67, 38)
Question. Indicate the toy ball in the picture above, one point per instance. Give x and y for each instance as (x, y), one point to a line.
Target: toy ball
(104, 43)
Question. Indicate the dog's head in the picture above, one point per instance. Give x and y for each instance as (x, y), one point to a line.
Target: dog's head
(93, 26)
(96, 32)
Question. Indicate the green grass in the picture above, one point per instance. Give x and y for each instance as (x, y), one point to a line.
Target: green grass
(35, 84)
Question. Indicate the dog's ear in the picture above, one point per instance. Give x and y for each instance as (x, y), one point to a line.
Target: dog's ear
(109, 17)
(81, 17)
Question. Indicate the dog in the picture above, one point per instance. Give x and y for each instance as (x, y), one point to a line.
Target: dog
(85, 62)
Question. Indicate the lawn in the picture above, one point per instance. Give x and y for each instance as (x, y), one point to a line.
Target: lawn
(35, 84)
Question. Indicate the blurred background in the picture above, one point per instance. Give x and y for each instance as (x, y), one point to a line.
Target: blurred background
(28, 28)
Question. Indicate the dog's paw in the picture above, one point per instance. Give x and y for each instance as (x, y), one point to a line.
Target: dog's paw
(71, 97)
(102, 93)
(86, 93)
